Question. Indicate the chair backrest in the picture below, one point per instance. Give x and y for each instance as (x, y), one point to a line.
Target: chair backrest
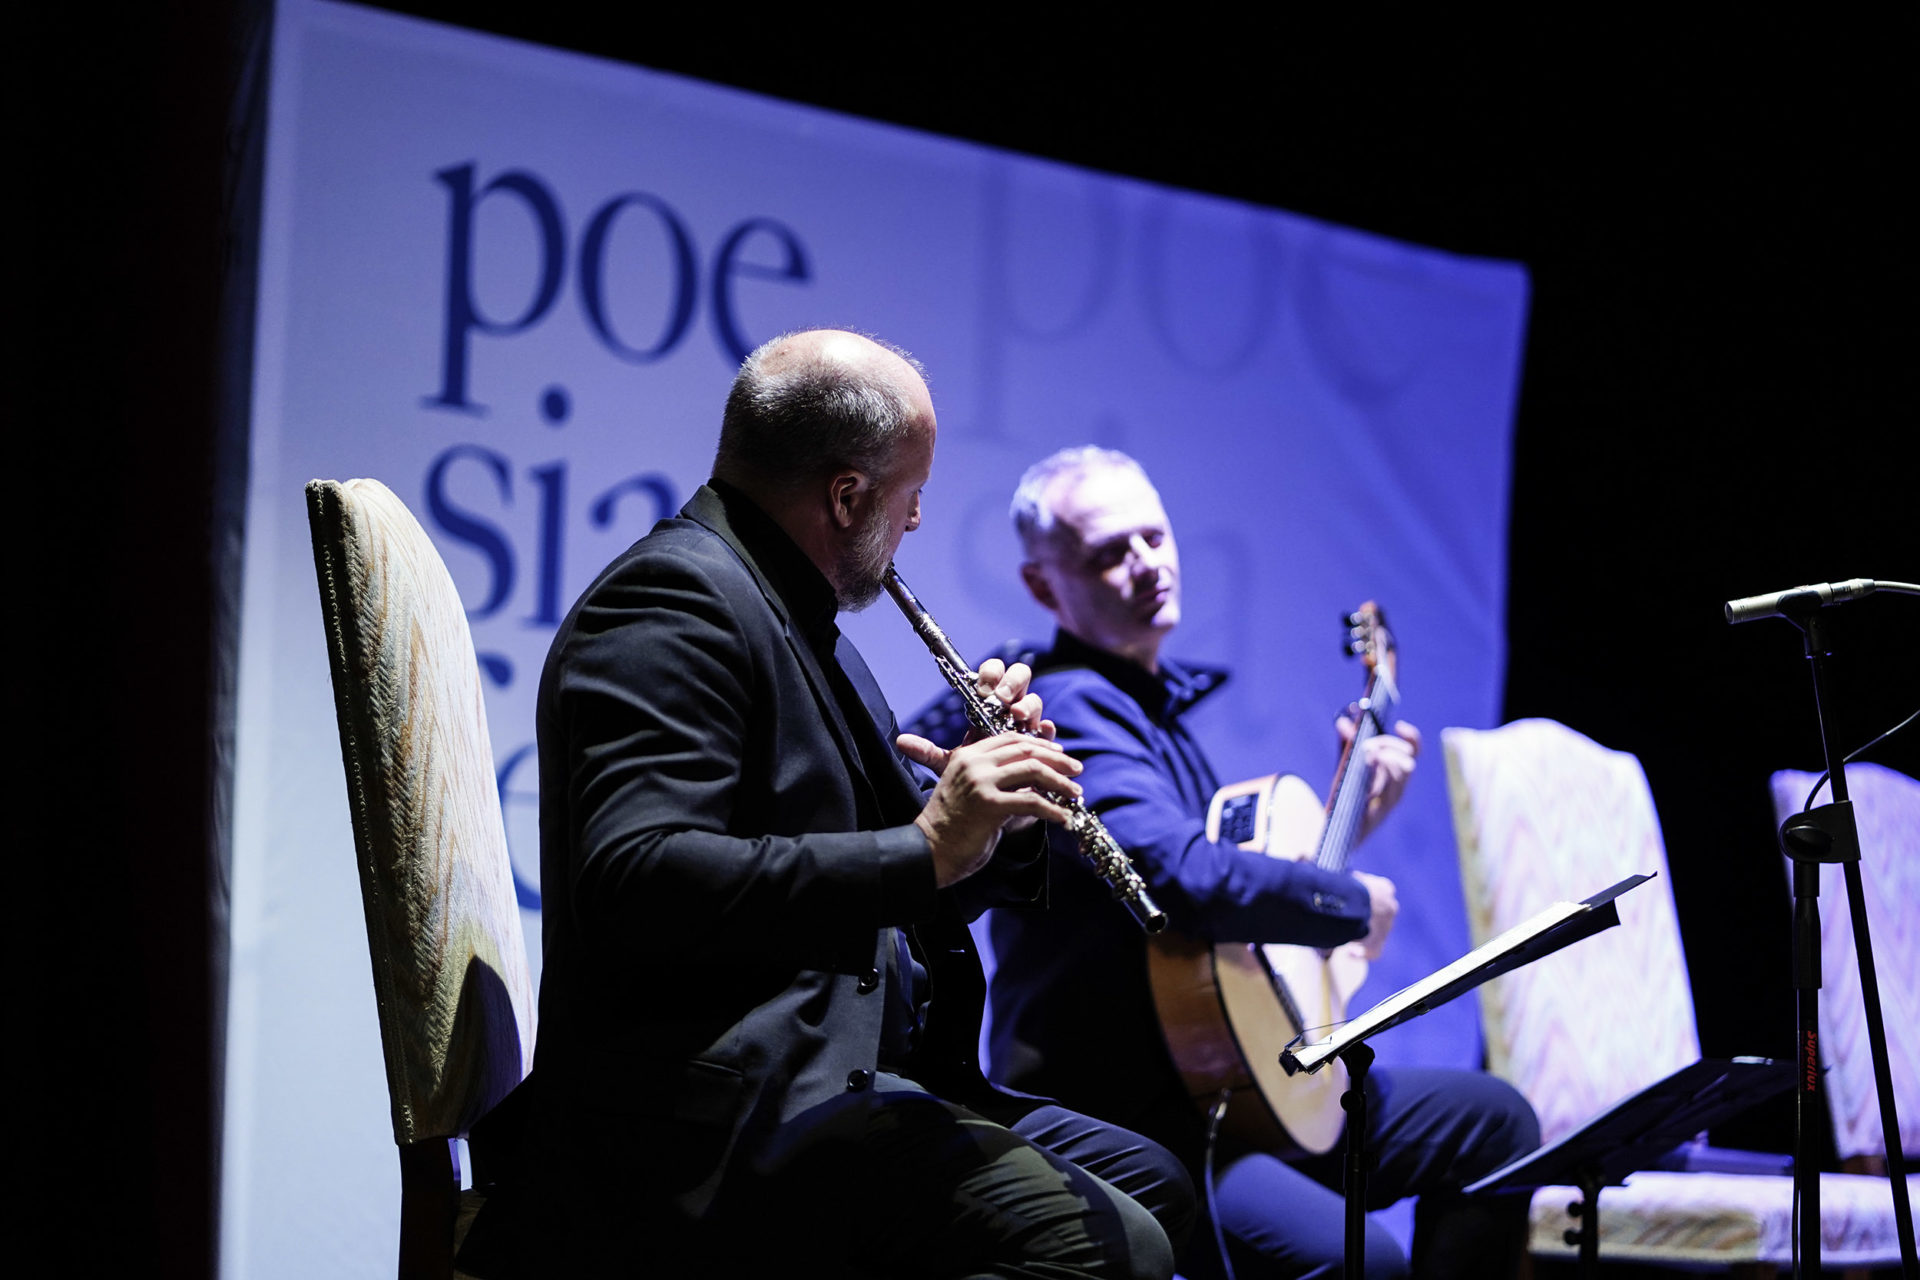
(1886, 808)
(449, 959)
(1544, 815)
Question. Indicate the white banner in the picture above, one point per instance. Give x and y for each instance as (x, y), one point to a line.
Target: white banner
(514, 284)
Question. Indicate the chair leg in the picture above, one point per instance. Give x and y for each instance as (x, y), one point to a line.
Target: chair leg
(429, 1204)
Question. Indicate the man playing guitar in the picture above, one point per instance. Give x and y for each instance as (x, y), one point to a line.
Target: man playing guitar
(1074, 1010)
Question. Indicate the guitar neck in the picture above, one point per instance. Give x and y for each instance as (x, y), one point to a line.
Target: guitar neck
(1353, 779)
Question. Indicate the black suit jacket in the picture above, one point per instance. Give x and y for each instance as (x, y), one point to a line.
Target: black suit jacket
(726, 849)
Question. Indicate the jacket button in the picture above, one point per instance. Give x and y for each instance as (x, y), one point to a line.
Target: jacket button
(869, 981)
(858, 1080)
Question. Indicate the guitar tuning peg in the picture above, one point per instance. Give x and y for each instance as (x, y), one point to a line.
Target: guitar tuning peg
(1350, 619)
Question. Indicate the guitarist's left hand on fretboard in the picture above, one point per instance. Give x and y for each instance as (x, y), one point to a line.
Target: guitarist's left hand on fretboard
(1390, 759)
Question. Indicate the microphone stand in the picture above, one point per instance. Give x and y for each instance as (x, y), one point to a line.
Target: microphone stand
(1829, 834)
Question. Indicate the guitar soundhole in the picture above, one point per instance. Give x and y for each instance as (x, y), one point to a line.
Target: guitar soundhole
(1236, 818)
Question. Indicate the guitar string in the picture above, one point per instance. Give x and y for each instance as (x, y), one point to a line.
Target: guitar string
(1345, 814)
(1341, 819)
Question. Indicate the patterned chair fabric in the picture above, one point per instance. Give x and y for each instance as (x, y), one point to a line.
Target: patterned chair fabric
(1542, 815)
(1726, 1219)
(1886, 809)
(449, 960)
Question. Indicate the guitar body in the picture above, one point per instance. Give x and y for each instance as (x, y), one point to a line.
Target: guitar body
(1228, 1009)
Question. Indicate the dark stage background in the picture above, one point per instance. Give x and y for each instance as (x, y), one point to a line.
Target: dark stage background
(1716, 403)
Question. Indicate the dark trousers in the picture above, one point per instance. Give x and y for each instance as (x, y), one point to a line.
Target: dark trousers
(892, 1182)
(1433, 1131)
(1016, 1188)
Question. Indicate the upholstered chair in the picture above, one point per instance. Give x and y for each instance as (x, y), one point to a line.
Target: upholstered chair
(450, 974)
(1543, 814)
(1886, 810)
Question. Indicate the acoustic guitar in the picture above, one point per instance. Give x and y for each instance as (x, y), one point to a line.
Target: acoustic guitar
(1227, 1009)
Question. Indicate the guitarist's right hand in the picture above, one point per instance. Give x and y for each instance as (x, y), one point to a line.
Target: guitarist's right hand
(1386, 905)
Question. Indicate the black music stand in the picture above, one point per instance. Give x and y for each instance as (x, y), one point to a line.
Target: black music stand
(1557, 926)
(1636, 1133)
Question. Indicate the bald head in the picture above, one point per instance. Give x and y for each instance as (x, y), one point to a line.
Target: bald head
(808, 405)
(856, 353)
(831, 433)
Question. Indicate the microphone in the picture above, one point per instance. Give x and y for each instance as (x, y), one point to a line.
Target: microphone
(1817, 595)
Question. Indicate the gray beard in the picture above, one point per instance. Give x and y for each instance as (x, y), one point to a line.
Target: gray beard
(861, 571)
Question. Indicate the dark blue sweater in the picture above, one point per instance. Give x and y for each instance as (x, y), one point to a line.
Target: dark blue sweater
(1073, 1013)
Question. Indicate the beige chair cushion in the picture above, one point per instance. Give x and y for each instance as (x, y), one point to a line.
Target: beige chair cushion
(449, 959)
(1543, 815)
(1721, 1219)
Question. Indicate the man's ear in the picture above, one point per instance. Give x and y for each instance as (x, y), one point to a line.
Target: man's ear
(1038, 587)
(846, 493)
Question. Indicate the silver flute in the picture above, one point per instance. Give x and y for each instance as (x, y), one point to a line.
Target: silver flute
(990, 716)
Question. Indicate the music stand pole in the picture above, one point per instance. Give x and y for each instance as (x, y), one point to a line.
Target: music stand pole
(1558, 925)
(1589, 1232)
(1829, 834)
(1358, 1057)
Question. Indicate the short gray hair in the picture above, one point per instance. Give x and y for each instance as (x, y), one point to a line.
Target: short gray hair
(810, 418)
(1033, 519)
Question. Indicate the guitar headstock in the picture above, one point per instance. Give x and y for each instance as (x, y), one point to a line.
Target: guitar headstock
(1369, 640)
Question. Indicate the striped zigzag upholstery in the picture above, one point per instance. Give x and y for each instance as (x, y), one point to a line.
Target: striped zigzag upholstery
(1886, 807)
(1726, 1220)
(450, 972)
(1543, 814)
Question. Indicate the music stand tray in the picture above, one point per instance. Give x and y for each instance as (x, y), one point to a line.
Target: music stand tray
(1635, 1133)
(1542, 934)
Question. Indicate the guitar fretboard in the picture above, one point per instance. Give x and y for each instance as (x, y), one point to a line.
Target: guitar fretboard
(1347, 808)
